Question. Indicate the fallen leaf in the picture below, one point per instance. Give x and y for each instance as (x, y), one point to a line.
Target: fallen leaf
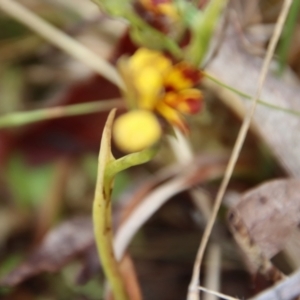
(279, 130)
(271, 212)
(263, 221)
(59, 247)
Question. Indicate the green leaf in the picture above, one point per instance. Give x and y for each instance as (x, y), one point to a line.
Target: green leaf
(202, 29)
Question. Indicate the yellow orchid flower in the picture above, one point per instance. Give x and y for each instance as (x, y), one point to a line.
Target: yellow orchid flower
(143, 74)
(157, 86)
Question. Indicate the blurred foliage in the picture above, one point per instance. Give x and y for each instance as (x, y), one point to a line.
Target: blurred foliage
(287, 35)
(164, 249)
(13, 29)
(28, 184)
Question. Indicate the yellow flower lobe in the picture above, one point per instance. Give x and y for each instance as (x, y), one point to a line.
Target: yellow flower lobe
(136, 130)
(148, 84)
(144, 57)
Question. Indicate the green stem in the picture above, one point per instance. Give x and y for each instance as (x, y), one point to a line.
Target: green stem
(108, 167)
(169, 44)
(248, 97)
(23, 118)
(128, 161)
(125, 10)
(102, 216)
(104, 241)
(202, 31)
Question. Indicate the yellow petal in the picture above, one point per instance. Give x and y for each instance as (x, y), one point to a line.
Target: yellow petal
(136, 130)
(145, 57)
(149, 83)
(172, 116)
(143, 75)
(130, 93)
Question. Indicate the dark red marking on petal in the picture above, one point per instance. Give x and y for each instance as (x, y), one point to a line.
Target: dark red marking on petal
(195, 105)
(193, 74)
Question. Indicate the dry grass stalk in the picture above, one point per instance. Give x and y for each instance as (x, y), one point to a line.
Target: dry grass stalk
(193, 293)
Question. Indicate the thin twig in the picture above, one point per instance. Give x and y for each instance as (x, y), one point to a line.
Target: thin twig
(223, 296)
(212, 274)
(193, 287)
(61, 40)
(23, 118)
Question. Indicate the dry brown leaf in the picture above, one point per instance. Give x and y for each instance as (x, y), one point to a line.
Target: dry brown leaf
(237, 68)
(255, 259)
(271, 212)
(61, 245)
(264, 220)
